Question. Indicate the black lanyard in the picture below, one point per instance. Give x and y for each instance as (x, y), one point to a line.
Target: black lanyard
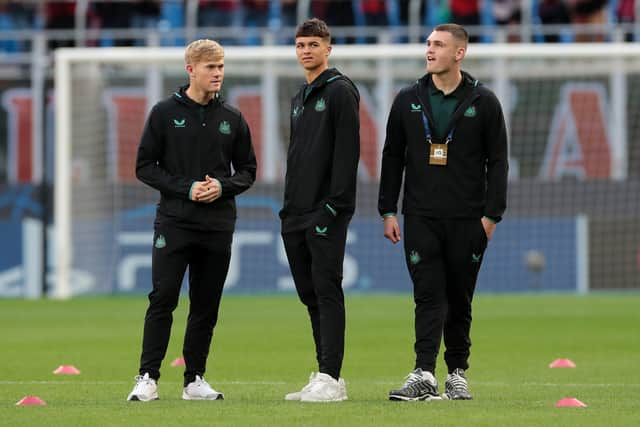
(427, 130)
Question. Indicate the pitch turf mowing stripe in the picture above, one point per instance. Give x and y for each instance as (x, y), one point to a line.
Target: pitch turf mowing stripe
(477, 383)
(262, 349)
(131, 382)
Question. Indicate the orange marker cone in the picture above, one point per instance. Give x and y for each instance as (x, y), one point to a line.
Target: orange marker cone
(562, 363)
(178, 362)
(67, 370)
(30, 401)
(570, 402)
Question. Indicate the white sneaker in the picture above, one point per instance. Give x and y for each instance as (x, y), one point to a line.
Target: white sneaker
(200, 390)
(325, 388)
(145, 389)
(297, 394)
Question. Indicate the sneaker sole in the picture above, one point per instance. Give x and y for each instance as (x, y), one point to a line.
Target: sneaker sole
(187, 397)
(427, 398)
(340, 399)
(445, 396)
(138, 399)
(289, 398)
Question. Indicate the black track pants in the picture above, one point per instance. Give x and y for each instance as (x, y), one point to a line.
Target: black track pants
(207, 255)
(444, 258)
(316, 266)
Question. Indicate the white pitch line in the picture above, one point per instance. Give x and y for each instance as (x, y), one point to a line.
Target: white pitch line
(130, 382)
(526, 384)
(387, 383)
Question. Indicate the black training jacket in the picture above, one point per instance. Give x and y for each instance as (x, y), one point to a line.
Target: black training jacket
(474, 181)
(182, 142)
(324, 149)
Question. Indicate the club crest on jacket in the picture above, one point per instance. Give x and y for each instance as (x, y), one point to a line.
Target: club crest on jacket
(225, 127)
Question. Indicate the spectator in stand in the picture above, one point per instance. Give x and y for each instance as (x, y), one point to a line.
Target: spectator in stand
(626, 14)
(507, 13)
(289, 13)
(113, 15)
(337, 14)
(256, 15)
(14, 15)
(373, 13)
(553, 12)
(145, 15)
(404, 11)
(60, 15)
(8, 23)
(223, 14)
(589, 12)
(406, 18)
(288, 20)
(467, 14)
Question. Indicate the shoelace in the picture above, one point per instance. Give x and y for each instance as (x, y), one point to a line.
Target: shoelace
(313, 378)
(412, 378)
(200, 382)
(142, 380)
(457, 382)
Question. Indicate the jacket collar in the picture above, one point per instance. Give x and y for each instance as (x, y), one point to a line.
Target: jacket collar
(468, 81)
(181, 96)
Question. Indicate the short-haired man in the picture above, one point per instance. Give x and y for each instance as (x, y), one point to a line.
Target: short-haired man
(319, 201)
(196, 151)
(446, 133)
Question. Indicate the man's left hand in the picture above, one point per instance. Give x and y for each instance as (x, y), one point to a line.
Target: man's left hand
(212, 190)
(489, 227)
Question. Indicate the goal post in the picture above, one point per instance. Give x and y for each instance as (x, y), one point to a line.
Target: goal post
(569, 115)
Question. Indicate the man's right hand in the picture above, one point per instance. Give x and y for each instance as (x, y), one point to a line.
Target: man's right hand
(392, 229)
(205, 191)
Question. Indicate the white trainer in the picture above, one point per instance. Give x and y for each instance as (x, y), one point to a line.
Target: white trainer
(200, 390)
(146, 389)
(297, 394)
(325, 388)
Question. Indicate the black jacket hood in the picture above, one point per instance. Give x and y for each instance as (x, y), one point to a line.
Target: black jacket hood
(181, 97)
(331, 75)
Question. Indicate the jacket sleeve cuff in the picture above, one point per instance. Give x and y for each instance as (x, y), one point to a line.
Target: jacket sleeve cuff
(190, 190)
(219, 186)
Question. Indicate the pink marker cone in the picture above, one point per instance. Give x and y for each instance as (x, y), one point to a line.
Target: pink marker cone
(178, 362)
(570, 402)
(562, 363)
(67, 370)
(30, 401)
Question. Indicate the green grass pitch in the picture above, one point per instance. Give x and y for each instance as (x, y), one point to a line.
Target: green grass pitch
(262, 349)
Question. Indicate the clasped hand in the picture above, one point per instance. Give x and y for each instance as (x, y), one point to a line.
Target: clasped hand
(206, 191)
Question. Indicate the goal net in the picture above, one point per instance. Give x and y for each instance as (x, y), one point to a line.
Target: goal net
(573, 216)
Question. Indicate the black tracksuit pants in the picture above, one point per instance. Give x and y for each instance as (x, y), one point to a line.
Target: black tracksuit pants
(207, 254)
(316, 266)
(443, 257)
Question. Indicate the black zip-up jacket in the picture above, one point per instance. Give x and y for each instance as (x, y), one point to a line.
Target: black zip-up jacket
(474, 181)
(324, 149)
(182, 142)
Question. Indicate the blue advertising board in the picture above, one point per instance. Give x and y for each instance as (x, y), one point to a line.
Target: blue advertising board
(114, 256)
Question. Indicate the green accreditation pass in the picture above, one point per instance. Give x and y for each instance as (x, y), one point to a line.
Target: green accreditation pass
(438, 154)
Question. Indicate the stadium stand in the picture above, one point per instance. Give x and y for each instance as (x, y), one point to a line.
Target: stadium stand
(253, 22)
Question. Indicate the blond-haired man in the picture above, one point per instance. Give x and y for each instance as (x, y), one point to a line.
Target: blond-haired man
(196, 151)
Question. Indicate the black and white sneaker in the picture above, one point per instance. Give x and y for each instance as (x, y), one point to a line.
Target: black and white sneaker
(456, 386)
(419, 385)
